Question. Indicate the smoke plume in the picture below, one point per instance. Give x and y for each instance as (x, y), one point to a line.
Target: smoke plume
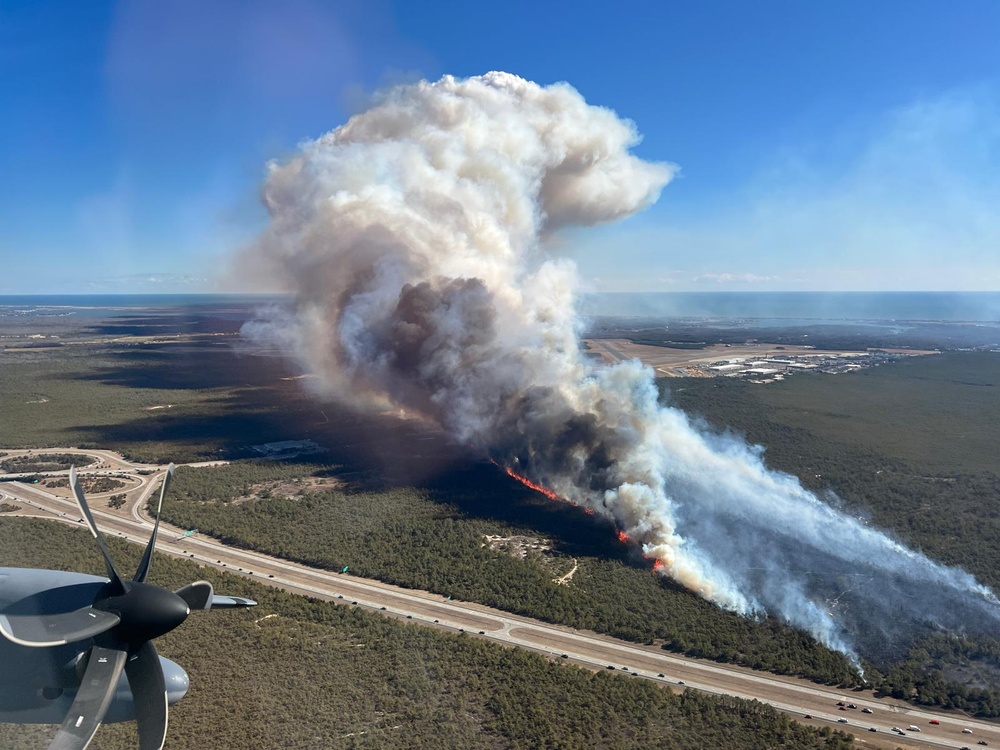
(414, 241)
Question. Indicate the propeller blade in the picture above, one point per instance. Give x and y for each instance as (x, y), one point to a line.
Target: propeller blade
(55, 630)
(147, 557)
(116, 580)
(149, 696)
(97, 688)
(198, 595)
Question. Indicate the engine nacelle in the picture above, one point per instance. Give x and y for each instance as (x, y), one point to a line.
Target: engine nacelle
(49, 705)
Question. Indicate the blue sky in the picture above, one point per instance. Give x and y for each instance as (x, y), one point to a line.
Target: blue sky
(822, 145)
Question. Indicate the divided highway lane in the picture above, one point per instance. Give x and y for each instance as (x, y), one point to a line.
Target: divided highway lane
(797, 697)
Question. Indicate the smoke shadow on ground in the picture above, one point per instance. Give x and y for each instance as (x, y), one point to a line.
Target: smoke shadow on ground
(179, 327)
(260, 400)
(166, 323)
(194, 365)
(481, 490)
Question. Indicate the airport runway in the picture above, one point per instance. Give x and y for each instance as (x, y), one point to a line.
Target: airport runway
(633, 661)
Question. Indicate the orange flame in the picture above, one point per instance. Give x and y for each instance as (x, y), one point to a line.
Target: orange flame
(658, 565)
(539, 488)
(528, 483)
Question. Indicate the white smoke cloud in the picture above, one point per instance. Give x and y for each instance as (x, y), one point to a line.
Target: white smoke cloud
(414, 241)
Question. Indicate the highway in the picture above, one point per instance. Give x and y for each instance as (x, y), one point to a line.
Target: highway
(794, 696)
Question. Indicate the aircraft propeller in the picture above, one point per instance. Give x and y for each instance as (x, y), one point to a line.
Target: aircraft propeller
(123, 620)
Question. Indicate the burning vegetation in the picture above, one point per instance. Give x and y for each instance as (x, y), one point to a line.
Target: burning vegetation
(415, 241)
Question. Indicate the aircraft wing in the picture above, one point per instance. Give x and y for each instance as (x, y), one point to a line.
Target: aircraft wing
(199, 595)
(231, 602)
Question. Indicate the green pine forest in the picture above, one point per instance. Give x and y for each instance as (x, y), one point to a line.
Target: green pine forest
(299, 673)
(911, 445)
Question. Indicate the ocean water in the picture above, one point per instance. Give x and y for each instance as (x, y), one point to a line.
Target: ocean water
(801, 308)
(118, 305)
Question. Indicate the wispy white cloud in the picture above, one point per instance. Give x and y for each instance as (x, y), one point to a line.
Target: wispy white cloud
(153, 283)
(911, 205)
(729, 278)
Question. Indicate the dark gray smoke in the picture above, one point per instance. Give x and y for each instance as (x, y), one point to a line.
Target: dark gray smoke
(414, 239)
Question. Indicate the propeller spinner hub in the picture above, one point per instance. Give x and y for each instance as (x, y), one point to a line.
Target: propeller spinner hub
(146, 612)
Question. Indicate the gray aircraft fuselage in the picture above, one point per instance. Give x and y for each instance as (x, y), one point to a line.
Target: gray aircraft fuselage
(37, 685)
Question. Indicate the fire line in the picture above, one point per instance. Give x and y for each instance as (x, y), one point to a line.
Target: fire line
(623, 537)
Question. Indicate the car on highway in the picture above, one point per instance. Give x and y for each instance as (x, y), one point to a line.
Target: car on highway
(867, 711)
(966, 730)
(807, 716)
(934, 721)
(872, 729)
(841, 720)
(913, 728)
(982, 742)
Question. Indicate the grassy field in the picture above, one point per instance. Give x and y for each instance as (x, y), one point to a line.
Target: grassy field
(296, 673)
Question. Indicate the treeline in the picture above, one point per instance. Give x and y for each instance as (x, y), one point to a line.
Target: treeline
(405, 537)
(90, 485)
(29, 464)
(923, 335)
(298, 673)
(927, 675)
(238, 479)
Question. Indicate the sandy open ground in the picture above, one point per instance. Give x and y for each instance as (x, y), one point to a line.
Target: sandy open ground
(668, 362)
